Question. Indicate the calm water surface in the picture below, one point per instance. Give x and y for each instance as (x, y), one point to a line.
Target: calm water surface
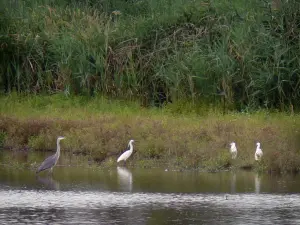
(77, 195)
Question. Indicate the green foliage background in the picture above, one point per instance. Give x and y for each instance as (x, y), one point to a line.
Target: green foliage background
(140, 49)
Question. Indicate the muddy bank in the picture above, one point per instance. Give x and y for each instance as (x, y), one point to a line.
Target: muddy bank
(195, 143)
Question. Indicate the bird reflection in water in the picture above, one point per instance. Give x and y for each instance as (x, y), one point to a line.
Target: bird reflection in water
(125, 179)
(233, 183)
(257, 183)
(48, 182)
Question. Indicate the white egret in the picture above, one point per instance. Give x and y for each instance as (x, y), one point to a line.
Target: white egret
(127, 153)
(233, 150)
(258, 153)
(51, 161)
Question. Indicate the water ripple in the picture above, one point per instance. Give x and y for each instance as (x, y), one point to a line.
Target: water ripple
(82, 199)
(90, 207)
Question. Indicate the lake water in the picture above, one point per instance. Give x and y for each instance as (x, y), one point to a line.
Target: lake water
(119, 195)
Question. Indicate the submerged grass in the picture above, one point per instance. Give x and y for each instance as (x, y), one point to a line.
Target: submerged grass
(101, 128)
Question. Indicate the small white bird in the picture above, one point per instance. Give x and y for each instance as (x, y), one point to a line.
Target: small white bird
(127, 153)
(258, 153)
(233, 150)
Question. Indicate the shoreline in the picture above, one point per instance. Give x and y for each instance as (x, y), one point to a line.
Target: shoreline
(184, 141)
(107, 163)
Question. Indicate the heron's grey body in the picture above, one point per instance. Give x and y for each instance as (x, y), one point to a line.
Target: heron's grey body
(51, 161)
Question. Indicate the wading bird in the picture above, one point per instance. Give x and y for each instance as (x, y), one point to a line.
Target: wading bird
(258, 153)
(51, 161)
(233, 150)
(126, 154)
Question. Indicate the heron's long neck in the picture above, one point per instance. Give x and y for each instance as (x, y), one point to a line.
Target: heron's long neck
(131, 147)
(58, 149)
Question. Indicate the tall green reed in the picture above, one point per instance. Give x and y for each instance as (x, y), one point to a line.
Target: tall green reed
(155, 51)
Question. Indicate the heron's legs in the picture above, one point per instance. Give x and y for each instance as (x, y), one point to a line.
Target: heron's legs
(50, 171)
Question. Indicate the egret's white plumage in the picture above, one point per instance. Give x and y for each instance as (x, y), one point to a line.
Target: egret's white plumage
(128, 153)
(233, 150)
(258, 153)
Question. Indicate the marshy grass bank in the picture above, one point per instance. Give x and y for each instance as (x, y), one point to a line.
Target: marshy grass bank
(100, 129)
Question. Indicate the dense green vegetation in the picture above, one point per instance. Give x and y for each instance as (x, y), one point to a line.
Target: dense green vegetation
(100, 129)
(154, 50)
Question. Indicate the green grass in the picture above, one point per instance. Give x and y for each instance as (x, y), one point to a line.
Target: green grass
(183, 49)
(101, 128)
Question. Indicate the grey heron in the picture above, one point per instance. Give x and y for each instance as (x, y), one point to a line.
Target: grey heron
(233, 150)
(51, 161)
(258, 153)
(126, 154)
